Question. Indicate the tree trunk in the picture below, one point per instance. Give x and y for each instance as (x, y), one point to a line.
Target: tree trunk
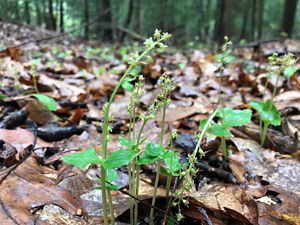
(128, 18)
(107, 20)
(208, 17)
(61, 16)
(253, 24)
(52, 22)
(27, 12)
(17, 18)
(289, 17)
(140, 16)
(38, 14)
(222, 20)
(4, 16)
(245, 21)
(86, 18)
(260, 19)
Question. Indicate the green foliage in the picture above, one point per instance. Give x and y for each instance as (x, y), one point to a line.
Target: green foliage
(118, 158)
(267, 112)
(173, 165)
(127, 85)
(50, 103)
(83, 158)
(111, 176)
(290, 71)
(154, 150)
(229, 118)
(234, 117)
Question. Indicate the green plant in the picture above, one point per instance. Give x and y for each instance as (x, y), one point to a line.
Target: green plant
(49, 102)
(268, 114)
(121, 156)
(228, 118)
(190, 172)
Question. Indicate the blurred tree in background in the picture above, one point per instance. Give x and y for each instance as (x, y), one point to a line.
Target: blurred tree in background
(207, 21)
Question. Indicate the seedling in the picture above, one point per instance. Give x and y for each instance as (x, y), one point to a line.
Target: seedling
(269, 115)
(228, 118)
(49, 102)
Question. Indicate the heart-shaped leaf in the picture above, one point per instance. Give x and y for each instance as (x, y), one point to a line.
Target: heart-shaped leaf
(153, 149)
(83, 158)
(118, 158)
(267, 112)
(234, 117)
(146, 159)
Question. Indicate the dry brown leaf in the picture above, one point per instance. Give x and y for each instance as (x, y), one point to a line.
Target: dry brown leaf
(27, 188)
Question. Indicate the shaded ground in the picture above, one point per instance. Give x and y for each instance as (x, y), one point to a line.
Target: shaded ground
(261, 185)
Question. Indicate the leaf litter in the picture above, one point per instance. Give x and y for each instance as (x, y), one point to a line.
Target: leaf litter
(259, 186)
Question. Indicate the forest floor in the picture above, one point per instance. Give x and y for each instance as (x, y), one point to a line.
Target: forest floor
(260, 185)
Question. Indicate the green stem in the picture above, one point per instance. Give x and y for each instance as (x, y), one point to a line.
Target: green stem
(35, 84)
(136, 210)
(169, 177)
(104, 200)
(130, 191)
(159, 161)
(168, 185)
(224, 150)
(275, 88)
(111, 208)
(264, 134)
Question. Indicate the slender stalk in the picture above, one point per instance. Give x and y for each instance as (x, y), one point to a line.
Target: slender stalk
(159, 161)
(223, 144)
(264, 133)
(275, 88)
(137, 173)
(130, 191)
(111, 207)
(168, 185)
(169, 177)
(104, 199)
(137, 181)
(35, 84)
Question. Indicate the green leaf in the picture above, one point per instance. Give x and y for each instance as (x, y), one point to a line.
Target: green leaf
(166, 154)
(289, 71)
(50, 103)
(127, 85)
(153, 149)
(111, 175)
(83, 158)
(3, 96)
(173, 165)
(125, 142)
(267, 112)
(215, 129)
(145, 159)
(118, 158)
(233, 117)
